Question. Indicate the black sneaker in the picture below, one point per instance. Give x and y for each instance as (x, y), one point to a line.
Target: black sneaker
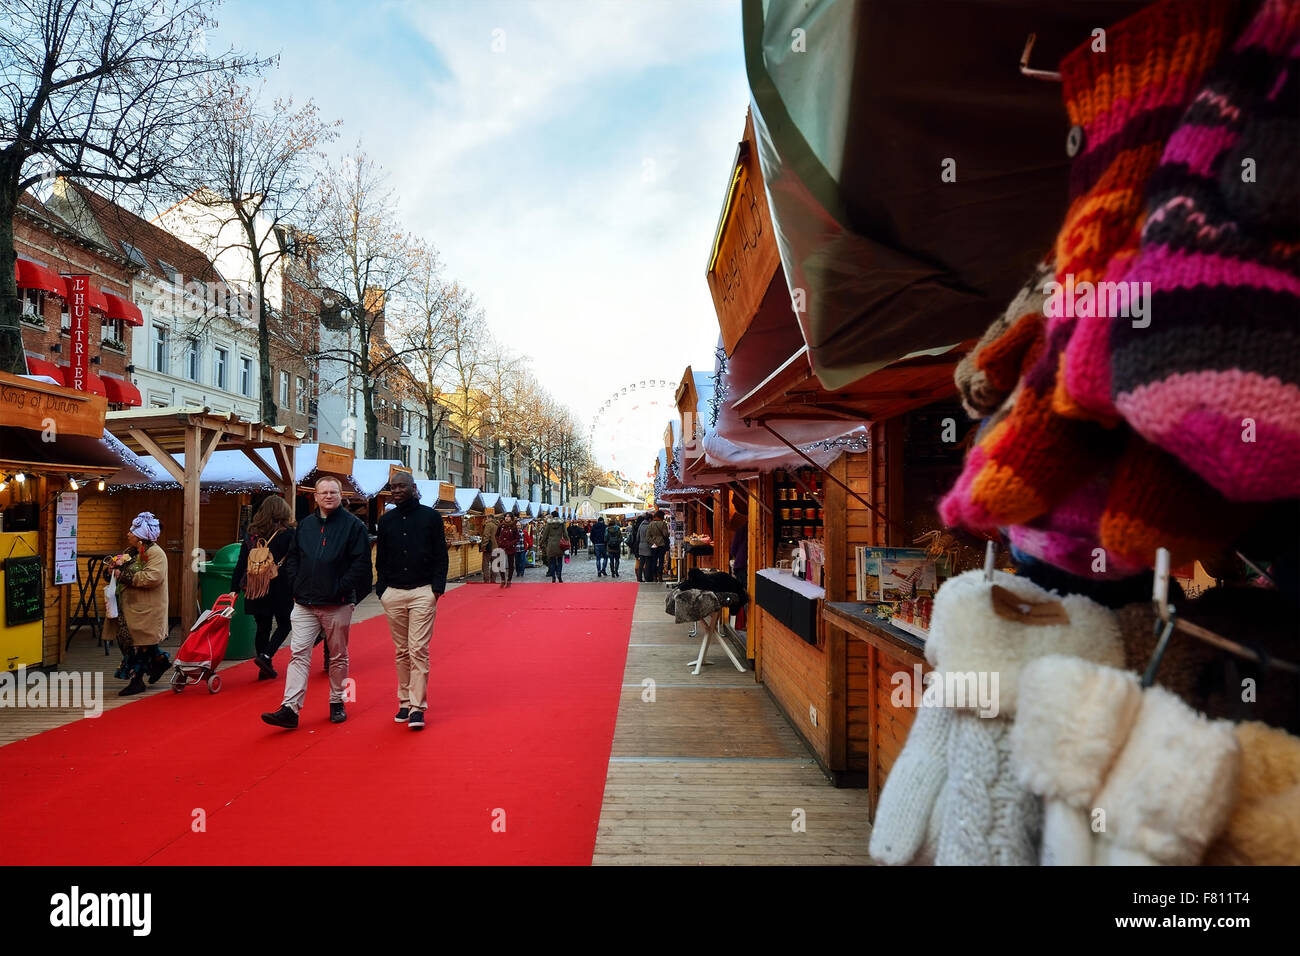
(417, 720)
(284, 717)
(337, 714)
(264, 666)
(402, 715)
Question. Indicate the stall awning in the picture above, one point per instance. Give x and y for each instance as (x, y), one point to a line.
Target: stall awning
(794, 392)
(893, 256)
(94, 384)
(33, 276)
(38, 366)
(468, 500)
(120, 308)
(75, 454)
(121, 392)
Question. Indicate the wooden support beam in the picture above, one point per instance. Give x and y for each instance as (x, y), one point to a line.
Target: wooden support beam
(189, 599)
(164, 458)
(208, 447)
(262, 466)
(285, 456)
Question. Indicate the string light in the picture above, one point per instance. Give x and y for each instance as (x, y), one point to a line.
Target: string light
(20, 478)
(101, 484)
(72, 483)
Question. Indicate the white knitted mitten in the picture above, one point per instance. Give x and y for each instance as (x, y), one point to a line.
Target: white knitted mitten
(989, 819)
(908, 799)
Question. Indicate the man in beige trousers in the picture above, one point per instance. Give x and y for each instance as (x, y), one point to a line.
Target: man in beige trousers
(411, 566)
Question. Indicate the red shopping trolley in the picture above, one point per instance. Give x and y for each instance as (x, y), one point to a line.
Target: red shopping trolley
(205, 647)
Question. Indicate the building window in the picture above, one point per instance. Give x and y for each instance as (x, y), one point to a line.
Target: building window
(34, 305)
(219, 378)
(302, 395)
(284, 389)
(246, 375)
(192, 360)
(160, 344)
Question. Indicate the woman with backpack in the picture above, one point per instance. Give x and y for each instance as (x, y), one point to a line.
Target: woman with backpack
(259, 573)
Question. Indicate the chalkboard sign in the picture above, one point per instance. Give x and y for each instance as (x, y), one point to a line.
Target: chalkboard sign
(24, 593)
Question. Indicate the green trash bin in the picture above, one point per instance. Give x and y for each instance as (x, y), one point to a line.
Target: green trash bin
(214, 581)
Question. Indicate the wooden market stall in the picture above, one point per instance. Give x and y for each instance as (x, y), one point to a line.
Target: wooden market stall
(51, 451)
(464, 529)
(195, 435)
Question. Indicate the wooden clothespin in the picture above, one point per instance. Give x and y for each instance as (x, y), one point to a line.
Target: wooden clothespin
(990, 552)
(1165, 615)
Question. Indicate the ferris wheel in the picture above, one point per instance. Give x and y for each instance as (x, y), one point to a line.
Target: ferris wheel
(628, 428)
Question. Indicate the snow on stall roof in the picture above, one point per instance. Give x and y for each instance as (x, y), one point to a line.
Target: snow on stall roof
(468, 499)
(371, 474)
(226, 471)
(491, 499)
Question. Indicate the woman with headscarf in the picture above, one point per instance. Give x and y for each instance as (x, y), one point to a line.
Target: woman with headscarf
(142, 603)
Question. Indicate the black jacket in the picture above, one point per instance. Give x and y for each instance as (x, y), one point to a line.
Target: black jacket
(330, 560)
(598, 533)
(412, 549)
(279, 598)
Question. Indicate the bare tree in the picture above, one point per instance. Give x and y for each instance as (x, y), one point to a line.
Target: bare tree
(109, 92)
(502, 373)
(367, 263)
(463, 374)
(248, 197)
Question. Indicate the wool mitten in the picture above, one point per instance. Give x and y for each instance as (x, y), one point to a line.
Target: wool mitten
(1074, 718)
(988, 374)
(1126, 102)
(1172, 787)
(967, 635)
(1212, 374)
(988, 818)
(908, 800)
(1264, 829)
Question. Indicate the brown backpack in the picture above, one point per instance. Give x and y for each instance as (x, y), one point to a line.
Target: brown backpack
(262, 569)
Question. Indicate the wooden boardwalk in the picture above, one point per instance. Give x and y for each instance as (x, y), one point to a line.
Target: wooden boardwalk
(709, 771)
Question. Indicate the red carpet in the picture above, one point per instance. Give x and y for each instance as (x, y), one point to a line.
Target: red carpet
(523, 694)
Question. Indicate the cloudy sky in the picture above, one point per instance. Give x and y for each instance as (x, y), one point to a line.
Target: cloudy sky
(568, 157)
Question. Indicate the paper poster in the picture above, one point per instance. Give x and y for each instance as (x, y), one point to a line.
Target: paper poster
(65, 526)
(65, 572)
(65, 549)
(68, 503)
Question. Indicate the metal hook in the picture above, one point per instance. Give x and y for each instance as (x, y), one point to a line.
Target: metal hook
(1029, 71)
(989, 552)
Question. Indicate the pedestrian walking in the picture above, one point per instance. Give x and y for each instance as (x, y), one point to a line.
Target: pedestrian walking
(554, 542)
(488, 543)
(142, 604)
(525, 545)
(411, 566)
(576, 534)
(598, 533)
(613, 544)
(329, 564)
(643, 548)
(656, 535)
(507, 542)
(268, 599)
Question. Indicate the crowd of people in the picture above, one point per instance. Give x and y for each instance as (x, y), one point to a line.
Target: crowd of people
(302, 581)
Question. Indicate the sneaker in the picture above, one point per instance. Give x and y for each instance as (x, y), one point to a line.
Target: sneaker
(337, 713)
(417, 720)
(402, 715)
(284, 717)
(264, 666)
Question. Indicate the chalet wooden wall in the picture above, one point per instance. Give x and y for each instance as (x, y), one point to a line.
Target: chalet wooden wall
(795, 673)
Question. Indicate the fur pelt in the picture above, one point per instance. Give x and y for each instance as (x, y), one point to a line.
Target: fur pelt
(1264, 829)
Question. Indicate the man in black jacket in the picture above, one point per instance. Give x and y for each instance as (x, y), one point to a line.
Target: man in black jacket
(329, 565)
(411, 563)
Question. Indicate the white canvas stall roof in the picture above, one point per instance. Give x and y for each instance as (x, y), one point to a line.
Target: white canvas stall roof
(534, 508)
(371, 475)
(610, 495)
(491, 499)
(304, 463)
(228, 471)
(509, 505)
(468, 499)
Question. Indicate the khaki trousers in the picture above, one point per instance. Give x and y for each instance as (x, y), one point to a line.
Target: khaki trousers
(307, 622)
(410, 620)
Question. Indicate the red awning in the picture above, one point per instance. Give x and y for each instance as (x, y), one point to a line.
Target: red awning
(94, 384)
(33, 276)
(95, 301)
(120, 391)
(124, 309)
(38, 366)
